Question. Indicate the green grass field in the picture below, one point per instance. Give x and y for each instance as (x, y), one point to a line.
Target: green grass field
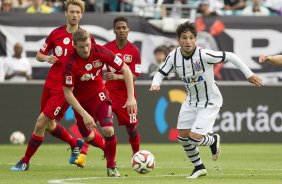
(238, 164)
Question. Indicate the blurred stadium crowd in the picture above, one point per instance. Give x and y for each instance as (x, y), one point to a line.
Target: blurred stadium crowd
(153, 8)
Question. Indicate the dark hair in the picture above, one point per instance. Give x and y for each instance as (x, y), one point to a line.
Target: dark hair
(161, 48)
(185, 27)
(123, 19)
(80, 35)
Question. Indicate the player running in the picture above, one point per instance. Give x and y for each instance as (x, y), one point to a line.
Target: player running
(197, 115)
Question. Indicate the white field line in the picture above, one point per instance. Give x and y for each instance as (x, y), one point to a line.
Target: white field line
(70, 180)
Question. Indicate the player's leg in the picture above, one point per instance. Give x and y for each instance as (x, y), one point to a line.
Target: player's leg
(129, 121)
(54, 108)
(203, 125)
(92, 137)
(104, 116)
(186, 118)
(34, 143)
(134, 138)
(37, 137)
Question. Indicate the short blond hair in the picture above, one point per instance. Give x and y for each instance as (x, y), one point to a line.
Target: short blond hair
(79, 3)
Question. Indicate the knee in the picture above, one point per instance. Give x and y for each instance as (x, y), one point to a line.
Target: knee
(42, 123)
(108, 131)
(184, 133)
(51, 126)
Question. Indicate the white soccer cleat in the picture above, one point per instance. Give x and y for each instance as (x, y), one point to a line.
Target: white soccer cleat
(215, 147)
(197, 173)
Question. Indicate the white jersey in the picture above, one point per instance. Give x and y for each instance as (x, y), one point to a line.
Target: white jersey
(197, 74)
(13, 64)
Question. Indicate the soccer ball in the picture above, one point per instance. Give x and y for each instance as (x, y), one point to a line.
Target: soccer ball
(17, 137)
(143, 162)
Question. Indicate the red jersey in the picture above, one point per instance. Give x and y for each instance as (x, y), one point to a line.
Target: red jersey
(60, 42)
(85, 75)
(130, 54)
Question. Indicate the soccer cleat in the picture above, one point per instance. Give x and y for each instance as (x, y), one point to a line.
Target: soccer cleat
(81, 160)
(76, 151)
(197, 173)
(21, 166)
(215, 147)
(113, 172)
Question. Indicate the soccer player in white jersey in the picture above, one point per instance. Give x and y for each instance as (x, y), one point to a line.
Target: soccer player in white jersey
(275, 59)
(194, 66)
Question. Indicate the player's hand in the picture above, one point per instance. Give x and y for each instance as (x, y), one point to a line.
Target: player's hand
(155, 88)
(89, 121)
(131, 106)
(51, 59)
(264, 58)
(254, 79)
(111, 76)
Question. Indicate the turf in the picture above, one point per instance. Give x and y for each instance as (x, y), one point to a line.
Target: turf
(238, 164)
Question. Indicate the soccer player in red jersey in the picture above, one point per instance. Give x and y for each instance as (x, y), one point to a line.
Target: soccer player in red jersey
(115, 82)
(86, 93)
(53, 103)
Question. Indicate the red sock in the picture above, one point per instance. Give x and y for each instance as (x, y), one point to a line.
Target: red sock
(61, 133)
(84, 149)
(33, 144)
(98, 140)
(135, 143)
(110, 150)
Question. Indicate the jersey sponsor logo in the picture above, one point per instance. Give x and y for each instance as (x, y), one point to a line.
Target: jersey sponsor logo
(69, 79)
(89, 76)
(127, 58)
(66, 40)
(96, 64)
(197, 66)
(44, 46)
(88, 67)
(117, 60)
(193, 80)
(138, 68)
(58, 51)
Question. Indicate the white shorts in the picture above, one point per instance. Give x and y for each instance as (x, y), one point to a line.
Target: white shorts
(199, 119)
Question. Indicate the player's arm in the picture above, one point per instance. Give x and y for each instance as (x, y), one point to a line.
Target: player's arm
(252, 78)
(130, 104)
(114, 76)
(275, 60)
(163, 72)
(87, 119)
(48, 58)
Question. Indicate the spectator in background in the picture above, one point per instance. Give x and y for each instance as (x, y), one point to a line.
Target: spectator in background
(171, 48)
(173, 11)
(205, 9)
(160, 54)
(17, 68)
(38, 6)
(256, 9)
(234, 4)
(7, 6)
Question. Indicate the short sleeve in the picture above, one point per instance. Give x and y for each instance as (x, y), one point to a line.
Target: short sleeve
(47, 45)
(136, 65)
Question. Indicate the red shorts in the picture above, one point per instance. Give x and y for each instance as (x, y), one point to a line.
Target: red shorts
(99, 109)
(123, 117)
(53, 103)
